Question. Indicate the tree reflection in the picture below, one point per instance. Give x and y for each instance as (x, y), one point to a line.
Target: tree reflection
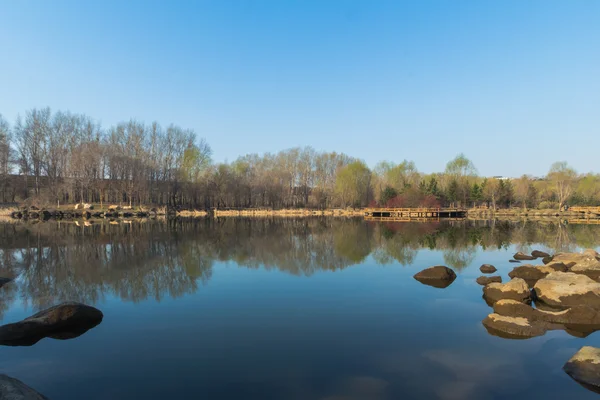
(60, 261)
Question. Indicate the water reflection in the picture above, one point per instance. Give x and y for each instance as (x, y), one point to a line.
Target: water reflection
(60, 261)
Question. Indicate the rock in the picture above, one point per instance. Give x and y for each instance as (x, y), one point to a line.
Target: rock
(575, 258)
(14, 389)
(4, 281)
(520, 256)
(533, 273)
(516, 289)
(513, 327)
(583, 317)
(557, 266)
(566, 289)
(547, 260)
(438, 276)
(539, 254)
(487, 269)
(584, 368)
(589, 267)
(486, 280)
(64, 321)
(591, 253)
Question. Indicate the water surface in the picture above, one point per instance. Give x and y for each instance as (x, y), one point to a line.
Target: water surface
(279, 309)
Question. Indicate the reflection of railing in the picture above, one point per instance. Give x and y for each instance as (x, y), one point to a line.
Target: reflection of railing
(585, 210)
(413, 213)
(584, 221)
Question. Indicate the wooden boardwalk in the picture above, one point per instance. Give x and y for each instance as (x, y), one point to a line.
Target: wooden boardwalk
(412, 214)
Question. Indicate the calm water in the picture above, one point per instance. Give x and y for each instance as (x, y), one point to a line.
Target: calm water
(279, 309)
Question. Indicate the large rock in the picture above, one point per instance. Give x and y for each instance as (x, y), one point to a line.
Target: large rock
(566, 289)
(438, 276)
(513, 327)
(515, 289)
(584, 367)
(64, 321)
(581, 316)
(14, 389)
(539, 254)
(487, 269)
(591, 253)
(589, 267)
(486, 280)
(575, 258)
(521, 256)
(533, 273)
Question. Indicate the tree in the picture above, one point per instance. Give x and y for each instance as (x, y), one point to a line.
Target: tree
(524, 191)
(562, 178)
(461, 169)
(491, 191)
(353, 184)
(5, 156)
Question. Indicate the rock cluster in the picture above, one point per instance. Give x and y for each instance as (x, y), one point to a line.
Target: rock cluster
(566, 293)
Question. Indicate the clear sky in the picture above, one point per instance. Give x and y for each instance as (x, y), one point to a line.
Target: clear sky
(515, 85)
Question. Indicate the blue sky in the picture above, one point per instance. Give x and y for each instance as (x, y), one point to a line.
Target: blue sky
(515, 85)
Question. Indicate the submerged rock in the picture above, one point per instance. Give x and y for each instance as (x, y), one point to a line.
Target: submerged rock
(539, 254)
(515, 289)
(584, 368)
(521, 256)
(566, 289)
(64, 321)
(14, 389)
(513, 327)
(486, 280)
(487, 269)
(438, 276)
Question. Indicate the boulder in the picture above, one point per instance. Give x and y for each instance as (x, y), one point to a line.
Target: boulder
(584, 368)
(539, 254)
(486, 280)
(582, 317)
(515, 289)
(14, 389)
(547, 260)
(521, 256)
(487, 269)
(591, 253)
(574, 258)
(64, 321)
(513, 327)
(566, 289)
(438, 276)
(4, 281)
(533, 273)
(589, 267)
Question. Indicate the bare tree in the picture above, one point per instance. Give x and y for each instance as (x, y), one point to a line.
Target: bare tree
(563, 178)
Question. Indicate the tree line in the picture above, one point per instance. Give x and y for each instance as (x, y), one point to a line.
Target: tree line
(52, 158)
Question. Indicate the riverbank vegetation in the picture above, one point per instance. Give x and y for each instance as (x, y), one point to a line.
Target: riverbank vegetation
(52, 158)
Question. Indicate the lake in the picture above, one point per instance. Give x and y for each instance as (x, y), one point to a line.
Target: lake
(280, 309)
